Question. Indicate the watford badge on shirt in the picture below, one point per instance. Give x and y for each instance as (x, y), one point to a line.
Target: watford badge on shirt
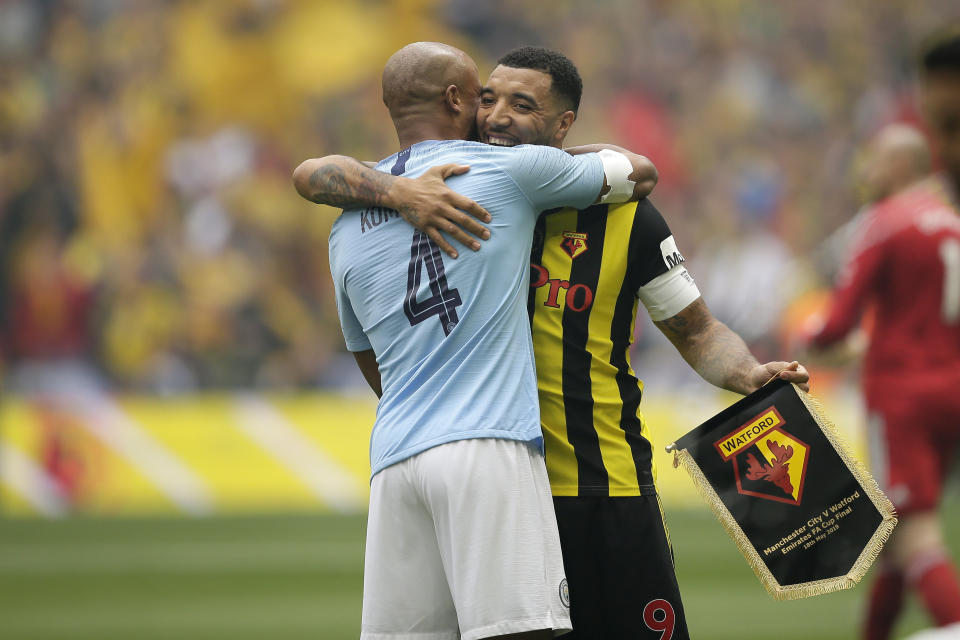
(804, 512)
(574, 243)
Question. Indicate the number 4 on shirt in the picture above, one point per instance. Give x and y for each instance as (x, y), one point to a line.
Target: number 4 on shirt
(444, 301)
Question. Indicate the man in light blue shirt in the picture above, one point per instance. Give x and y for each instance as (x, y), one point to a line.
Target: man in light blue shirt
(452, 338)
(460, 503)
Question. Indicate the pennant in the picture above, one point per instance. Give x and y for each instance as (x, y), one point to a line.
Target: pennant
(804, 512)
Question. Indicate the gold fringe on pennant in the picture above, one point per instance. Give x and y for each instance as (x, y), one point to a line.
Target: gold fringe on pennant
(866, 480)
(733, 529)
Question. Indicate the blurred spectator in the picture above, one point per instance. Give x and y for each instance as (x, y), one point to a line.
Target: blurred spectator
(155, 140)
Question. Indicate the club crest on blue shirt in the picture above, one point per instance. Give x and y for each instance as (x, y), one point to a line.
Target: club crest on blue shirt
(574, 243)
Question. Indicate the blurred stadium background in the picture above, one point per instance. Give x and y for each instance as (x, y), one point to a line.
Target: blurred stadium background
(182, 435)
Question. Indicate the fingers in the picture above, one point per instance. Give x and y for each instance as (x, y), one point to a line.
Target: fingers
(441, 242)
(468, 223)
(447, 170)
(474, 209)
(458, 234)
(462, 236)
(797, 374)
(794, 371)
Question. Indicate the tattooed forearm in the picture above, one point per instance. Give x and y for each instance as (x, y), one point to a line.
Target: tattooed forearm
(718, 354)
(723, 358)
(330, 184)
(675, 326)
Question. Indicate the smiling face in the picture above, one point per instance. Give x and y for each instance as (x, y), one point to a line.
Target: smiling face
(518, 107)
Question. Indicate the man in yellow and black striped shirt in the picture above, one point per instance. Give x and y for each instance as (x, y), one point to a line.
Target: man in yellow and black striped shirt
(589, 270)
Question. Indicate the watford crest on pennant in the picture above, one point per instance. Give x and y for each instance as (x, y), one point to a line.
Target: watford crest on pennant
(768, 462)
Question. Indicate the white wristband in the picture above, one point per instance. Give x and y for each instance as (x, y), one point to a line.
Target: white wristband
(617, 168)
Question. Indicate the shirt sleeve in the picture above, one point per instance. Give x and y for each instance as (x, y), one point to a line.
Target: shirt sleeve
(854, 286)
(550, 178)
(353, 334)
(656, 265)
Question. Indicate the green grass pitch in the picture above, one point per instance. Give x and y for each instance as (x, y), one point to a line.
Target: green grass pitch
(300, 577)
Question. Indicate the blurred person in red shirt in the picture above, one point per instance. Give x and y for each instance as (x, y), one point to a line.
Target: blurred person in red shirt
(48, 324)
(47, 341)
(905, 261)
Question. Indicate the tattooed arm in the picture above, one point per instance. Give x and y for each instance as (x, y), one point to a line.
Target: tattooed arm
(425, 202)
(719, 355)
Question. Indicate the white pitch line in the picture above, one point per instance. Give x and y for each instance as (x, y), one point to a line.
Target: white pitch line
(327, 478)
(105, 420)
(29, 480)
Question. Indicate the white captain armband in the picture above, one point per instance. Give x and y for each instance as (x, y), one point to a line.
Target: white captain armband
(669, 293)
(617, 168)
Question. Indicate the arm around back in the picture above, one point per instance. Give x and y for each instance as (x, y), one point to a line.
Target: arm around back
(643, 174)
(425, 202)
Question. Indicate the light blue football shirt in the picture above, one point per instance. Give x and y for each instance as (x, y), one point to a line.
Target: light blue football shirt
(452, 337)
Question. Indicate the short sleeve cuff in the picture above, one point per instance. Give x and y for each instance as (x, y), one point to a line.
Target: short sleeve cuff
(357, 343)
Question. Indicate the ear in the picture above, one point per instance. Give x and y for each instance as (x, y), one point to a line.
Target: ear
(453, 99)
(563, 125)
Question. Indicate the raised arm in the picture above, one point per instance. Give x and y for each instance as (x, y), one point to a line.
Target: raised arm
(720, 356)
(644, 174)
(426, 202)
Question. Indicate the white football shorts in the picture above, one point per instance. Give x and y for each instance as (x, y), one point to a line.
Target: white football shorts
(462, 542)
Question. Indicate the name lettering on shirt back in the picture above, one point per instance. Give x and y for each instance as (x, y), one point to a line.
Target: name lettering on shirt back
(370, 218)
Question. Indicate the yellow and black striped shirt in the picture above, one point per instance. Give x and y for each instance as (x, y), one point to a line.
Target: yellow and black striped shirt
(586, 269)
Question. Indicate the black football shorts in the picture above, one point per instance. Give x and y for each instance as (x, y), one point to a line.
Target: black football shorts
(619, 568)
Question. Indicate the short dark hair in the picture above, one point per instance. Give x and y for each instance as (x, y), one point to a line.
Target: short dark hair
(566, 82)
(942, 51)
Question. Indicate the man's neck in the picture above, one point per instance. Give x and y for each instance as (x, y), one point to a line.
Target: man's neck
(410, 132)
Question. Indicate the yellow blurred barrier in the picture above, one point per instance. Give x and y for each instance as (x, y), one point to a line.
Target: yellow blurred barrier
(244, 453)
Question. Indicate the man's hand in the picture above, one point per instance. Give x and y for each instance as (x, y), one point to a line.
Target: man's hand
(790, 371)
(431, 206)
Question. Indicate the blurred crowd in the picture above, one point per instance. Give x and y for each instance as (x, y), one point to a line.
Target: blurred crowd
(150, 238)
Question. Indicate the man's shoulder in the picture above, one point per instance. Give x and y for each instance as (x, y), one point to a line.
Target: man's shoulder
(641, 215)
(427, 151)
(620, 217)
(524, 158)
(528, 155)
(920, 205)
(920, 197)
